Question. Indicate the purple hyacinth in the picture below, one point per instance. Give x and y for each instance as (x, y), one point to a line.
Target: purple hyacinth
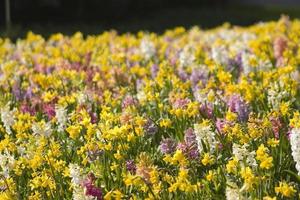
(49, 110)
(154, 70)
(130, 166)
(167, 146)
(220, 124)
(207, 110)
(189, 145)
(90, 188)
(182, 74)
(181, 103)
(235, 63)
(189, 136)
(150, 128)
(128, 101)
(197, 76)
(238, 105)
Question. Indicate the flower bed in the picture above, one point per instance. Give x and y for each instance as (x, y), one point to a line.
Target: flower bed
(189, 114)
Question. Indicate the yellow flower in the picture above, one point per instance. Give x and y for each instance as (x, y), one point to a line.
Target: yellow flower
(179, 157)
(284, 108)
(269, 198)
(165, 123)
(231, 116)
(207, 159)
(285, 189)
(74, 131)
(231, 166)
(49, 96)
(210, 175)
(266, 161)
(273, 142)
(249, 178)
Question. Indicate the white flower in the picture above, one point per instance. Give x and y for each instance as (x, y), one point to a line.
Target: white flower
(233, 193)
(42, 128)
(7, 117)
(61, 116)
(186, 57)
(147, 48)
(75, 173)
(295, 144)
(6, 163)
(220, 55)
(242, 153)
(205, 134)
(276, 95)
(81, 98)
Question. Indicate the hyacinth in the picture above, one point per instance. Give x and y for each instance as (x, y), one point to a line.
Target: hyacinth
(42, 128)
(295, 144)
(150, 127)
(7, 161)
(167, 146)
(147, 48)
(233, 193)
(130, 166)
(279, 46)
(220, 124)
(205, 134)
(128, 101)
(238, 105)
(62, 117)
(90, 189)
(189, 146)
(243, 154)
(7, 117)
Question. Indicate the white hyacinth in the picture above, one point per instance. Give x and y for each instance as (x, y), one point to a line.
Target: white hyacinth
(186, 57)
(242, 153)
(75, 173)
(220, 55)
(147, 48)
(7, 117)
(61, 116)
(42, 128)
(276, 95)
(6, 163)
(204, 133)
(233, 193)
(295, 144)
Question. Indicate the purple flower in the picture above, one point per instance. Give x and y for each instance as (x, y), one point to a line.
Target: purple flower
(207, 110)
(220, 124)
(150, 127)
(181, 103)
(182, 74)
(198, 75)
(49, 110)
(189, 136)
(93, 117)
(154, 70)
(130, 166)
(189, 145)
(189, 150)
(128, 101)
(90, 188)
(25, 108)
(238, 105)
(167, 146)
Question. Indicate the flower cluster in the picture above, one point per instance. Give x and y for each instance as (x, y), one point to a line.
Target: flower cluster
(188, 114)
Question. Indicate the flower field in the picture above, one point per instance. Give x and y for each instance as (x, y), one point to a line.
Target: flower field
(188, 114)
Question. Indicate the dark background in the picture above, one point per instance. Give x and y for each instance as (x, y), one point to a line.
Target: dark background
(95, 16)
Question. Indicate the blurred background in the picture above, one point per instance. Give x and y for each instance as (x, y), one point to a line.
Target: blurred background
(94, 16)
